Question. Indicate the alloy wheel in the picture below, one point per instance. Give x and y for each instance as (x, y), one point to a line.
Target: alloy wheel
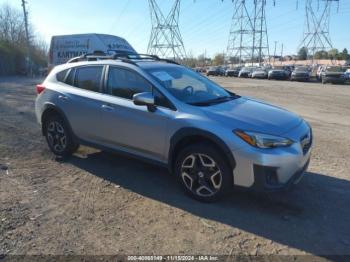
(201, 175)
(56, 136)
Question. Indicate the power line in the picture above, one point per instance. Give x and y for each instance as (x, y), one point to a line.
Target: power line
(119, 16)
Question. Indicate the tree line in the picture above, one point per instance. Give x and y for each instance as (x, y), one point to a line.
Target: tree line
(303, 54)
(14, 57)
(332, 54)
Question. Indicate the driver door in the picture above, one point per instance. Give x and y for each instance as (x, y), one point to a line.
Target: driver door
(130, 127)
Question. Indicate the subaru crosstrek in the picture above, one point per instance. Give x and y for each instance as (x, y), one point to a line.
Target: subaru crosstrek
(154, 109)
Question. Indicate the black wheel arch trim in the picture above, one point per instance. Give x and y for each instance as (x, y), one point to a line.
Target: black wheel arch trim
(51, 106)
(187, 132)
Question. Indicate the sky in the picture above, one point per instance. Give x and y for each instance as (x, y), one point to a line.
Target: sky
(204, 24)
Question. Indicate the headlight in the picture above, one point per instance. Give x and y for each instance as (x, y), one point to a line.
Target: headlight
(263, 140)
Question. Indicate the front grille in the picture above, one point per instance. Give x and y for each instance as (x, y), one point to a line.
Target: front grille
(306, 141)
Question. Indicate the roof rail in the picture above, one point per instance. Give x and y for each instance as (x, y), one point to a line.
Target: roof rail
(131, 58)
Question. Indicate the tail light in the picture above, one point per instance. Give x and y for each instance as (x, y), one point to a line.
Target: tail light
(40, 89)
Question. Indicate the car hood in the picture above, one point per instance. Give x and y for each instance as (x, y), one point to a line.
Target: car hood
(252, 115)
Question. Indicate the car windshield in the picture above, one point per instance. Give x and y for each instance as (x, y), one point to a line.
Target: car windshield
(259, 69)
(334, 69)
(301, 69)
(189, 86)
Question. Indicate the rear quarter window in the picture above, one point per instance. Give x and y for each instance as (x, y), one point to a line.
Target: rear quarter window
(88, 78)
(61, 76)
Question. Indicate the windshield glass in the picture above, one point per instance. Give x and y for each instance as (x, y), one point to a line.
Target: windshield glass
(335, 69)
(189, 86)
(301, 69)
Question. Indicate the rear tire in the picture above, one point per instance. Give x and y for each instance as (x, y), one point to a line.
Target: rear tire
(203, 172)
(59, 137)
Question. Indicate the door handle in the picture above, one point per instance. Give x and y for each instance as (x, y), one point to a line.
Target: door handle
(107, 108)
(62, 97)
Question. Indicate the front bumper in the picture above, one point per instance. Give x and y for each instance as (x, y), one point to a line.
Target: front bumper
(273, 169)
(266, 178)
(261, 76)
(330, 79)
(300, 78)
(278, 77)
(244, 75)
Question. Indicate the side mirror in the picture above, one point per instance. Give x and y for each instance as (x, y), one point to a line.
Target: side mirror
(144, 99)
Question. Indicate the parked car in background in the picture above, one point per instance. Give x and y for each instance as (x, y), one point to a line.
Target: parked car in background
(333, 74)
(212, 71)
(221, 71)
(216, 71)
(301, 74)
(278, 73)
(347, 75)
(289, 69)
(319, 72)
(233, 71)
(246, 72)
(260, 73)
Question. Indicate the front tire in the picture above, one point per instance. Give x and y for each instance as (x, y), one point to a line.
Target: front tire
(59, 137)
(203, 172)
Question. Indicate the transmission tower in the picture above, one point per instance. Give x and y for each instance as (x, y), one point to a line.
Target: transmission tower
(316, 33)
(260, 40)
(248, 38)
(166, 40)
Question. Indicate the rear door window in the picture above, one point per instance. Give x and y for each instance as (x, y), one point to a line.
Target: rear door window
(89, 78)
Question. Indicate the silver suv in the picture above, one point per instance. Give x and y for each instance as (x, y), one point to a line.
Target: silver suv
(154, 109)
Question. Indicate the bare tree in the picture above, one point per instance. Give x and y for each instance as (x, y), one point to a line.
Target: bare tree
(13, 44)
(11, 25)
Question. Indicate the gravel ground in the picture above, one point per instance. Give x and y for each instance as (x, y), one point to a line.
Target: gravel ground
(100, 203)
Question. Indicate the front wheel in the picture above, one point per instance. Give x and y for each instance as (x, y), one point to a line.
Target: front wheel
(203, 172)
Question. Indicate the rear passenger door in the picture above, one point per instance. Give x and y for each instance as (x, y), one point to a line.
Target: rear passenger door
(130, 127)
(81, 103)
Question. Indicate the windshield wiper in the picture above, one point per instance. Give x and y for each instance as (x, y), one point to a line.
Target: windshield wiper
(213, 101)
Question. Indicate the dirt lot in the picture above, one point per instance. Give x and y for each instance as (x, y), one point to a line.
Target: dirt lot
(100, 203)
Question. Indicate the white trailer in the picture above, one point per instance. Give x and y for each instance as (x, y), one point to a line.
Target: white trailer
(66, 47)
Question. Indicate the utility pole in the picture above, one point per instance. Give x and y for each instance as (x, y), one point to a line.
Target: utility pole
(166, 40)
(282, 53)
(274, 53)
(316, 32)
(28, 58)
